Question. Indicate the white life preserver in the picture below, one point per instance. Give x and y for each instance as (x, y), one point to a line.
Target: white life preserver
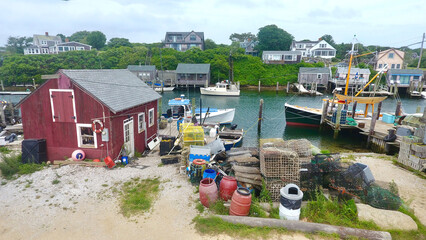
(101, 126)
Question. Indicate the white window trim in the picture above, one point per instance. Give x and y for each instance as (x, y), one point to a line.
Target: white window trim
(144, 122)
(149, 117)
(78, 126)
(73, 101)
(319, 76)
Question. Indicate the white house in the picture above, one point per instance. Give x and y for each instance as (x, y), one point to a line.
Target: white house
(320, 49)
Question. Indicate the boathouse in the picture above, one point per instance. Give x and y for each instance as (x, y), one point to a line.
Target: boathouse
(314, 76)
(193, 75)
(404, 77)
(147, 73)
(97, 111)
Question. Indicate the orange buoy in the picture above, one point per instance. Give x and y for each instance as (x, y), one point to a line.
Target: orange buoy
(96, 160)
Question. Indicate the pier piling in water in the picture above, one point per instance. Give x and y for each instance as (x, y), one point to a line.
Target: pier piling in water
(259, 120)
(338, 116)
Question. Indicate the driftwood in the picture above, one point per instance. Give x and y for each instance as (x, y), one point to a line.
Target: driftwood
(243, 159)
(255, 177)
(248, 180)
(244, 169)
(82, 163)
(306, 227)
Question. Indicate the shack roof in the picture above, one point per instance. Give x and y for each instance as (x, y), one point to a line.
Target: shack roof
(193, 68)
(282, 52)
(118, 89)
(314, 70)
(141, 68)
(417, 72)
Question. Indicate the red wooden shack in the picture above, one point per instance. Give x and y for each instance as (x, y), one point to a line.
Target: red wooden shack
(97, 111)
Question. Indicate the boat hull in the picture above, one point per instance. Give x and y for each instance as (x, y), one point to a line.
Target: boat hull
(222, 116)
(298, 116)
(164, 89)
(230, 144)
(214, 92)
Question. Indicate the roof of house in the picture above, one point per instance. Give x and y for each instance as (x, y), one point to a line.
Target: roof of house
(282, 52)
(193, 68)
(142, 68)
(314, 70)
(73, 44)
(398, 52)
(354, 70)
(405, 71)
(117, 89)
(47, 38)
(306, 41)
(184, 34)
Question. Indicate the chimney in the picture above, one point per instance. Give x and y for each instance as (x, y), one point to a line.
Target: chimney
(67, 40)
(46, 33)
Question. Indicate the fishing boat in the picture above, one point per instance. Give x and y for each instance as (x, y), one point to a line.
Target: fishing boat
(423, 95)
(223, 88)
(311, 117)
(181, 107)
(164, 89)
(231, 138)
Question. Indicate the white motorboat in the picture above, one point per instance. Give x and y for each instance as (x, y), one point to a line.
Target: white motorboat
(221, 89)
(423, 95)
(181, 107)
(164, 89)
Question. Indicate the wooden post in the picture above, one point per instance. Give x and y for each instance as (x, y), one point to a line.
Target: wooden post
(324, 111)
(398, 109)
(372, 125)
(201, 110)
(354, 109)
(277, 87)
(259, 86)
(2, 86)
(337, 124)
(366, 110)
(418, 109)
(379, 108)
(259, 122)
(2, 116)
(288, 86)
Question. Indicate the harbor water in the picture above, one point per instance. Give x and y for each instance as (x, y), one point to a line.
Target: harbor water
(273, 124)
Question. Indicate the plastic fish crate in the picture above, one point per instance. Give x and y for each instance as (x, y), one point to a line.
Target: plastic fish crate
(388, 118)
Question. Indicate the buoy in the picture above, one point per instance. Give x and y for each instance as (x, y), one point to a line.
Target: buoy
(78, 155)
(96, 160)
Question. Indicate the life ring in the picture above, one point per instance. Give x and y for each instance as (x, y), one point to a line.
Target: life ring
(178, 99)
(101, 126)
(199, 161)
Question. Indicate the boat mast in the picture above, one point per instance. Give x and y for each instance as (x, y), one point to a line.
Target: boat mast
(349, 67)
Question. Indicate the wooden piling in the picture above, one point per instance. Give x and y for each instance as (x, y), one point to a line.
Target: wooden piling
(277, 88)
(354, 109)
(324, 111)
(259, 86)
(288, 86)
(379, 108)
(337, 124)
(2, 116)
(259, 122)
(398, 109)
(373, 125)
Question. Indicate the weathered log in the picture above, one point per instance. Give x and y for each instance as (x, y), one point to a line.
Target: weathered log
(243, 159)
(306, 227)
(248, 180)
(255, 177)
(244, 169)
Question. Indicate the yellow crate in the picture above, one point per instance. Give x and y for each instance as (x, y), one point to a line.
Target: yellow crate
(183, 126)
(194, 134)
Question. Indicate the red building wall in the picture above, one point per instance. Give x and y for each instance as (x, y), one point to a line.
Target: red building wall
(61, 138)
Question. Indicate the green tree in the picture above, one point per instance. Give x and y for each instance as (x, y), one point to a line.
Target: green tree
(62, 36)
(209, 44)
(241, 37)
(328, 38)
(272, 37)
(119, 42)
(17, 44)
(79, 36)
(96, 39)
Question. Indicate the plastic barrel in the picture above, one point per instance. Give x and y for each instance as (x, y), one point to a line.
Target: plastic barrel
(241, 202)
(209, 173)
(228, 185)
(208, 191)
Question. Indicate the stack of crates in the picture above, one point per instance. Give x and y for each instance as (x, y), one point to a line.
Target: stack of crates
(193, 135)
(342, 117)
(412, 152)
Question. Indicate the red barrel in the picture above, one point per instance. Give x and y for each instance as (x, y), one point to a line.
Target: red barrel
(241, 202)
(208, 191)
(227, 187)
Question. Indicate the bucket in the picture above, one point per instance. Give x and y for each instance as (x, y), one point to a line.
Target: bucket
(208, 192)
(209, 173)
(125, 160)
(241, 202)
(108, 161)
(288, 214)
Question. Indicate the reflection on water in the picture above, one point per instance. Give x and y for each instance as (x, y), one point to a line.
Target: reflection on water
(273, 125)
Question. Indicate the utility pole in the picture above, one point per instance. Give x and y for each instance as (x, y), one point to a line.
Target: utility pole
(421, 51)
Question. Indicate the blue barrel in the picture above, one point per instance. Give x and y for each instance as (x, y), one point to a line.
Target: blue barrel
(209, 173)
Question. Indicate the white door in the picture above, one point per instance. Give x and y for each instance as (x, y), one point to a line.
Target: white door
(129, 138)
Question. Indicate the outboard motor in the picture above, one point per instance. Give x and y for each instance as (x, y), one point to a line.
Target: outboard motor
(169, 113)
(233, 126)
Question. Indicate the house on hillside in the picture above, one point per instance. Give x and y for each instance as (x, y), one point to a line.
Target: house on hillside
(182, 41)
(318, 76)
(196, 75)
(97, 111)
(404, 77)
(281, 57)
(69, 46)
(320, 49)
(248, 46)
(147, 73)
(392, 57)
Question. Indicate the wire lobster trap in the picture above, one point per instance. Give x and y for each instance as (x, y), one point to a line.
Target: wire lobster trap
(279, 163)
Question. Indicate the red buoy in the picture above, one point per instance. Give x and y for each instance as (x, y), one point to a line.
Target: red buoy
(240, 203)
(227, 187)
(208, 191)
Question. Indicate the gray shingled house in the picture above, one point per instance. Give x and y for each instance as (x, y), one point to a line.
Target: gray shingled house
(281, 57)
(319, 76)
(404, 77)
(182, 41)
(194, 75)
(147, 73)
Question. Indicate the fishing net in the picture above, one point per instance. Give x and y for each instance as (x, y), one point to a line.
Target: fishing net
(378, 197)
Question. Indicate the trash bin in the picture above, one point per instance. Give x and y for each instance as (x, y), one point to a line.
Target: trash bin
(290, 202)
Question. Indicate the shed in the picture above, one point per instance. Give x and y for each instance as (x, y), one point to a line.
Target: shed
(404, 77)
(144, 72)
(193, 74)
(281, 57)
(309, 75)
(66, 108)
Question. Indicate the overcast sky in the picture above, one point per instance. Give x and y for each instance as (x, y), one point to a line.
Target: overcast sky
(375, 22)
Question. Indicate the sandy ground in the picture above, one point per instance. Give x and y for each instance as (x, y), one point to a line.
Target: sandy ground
(412, 189)
(83, 206)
